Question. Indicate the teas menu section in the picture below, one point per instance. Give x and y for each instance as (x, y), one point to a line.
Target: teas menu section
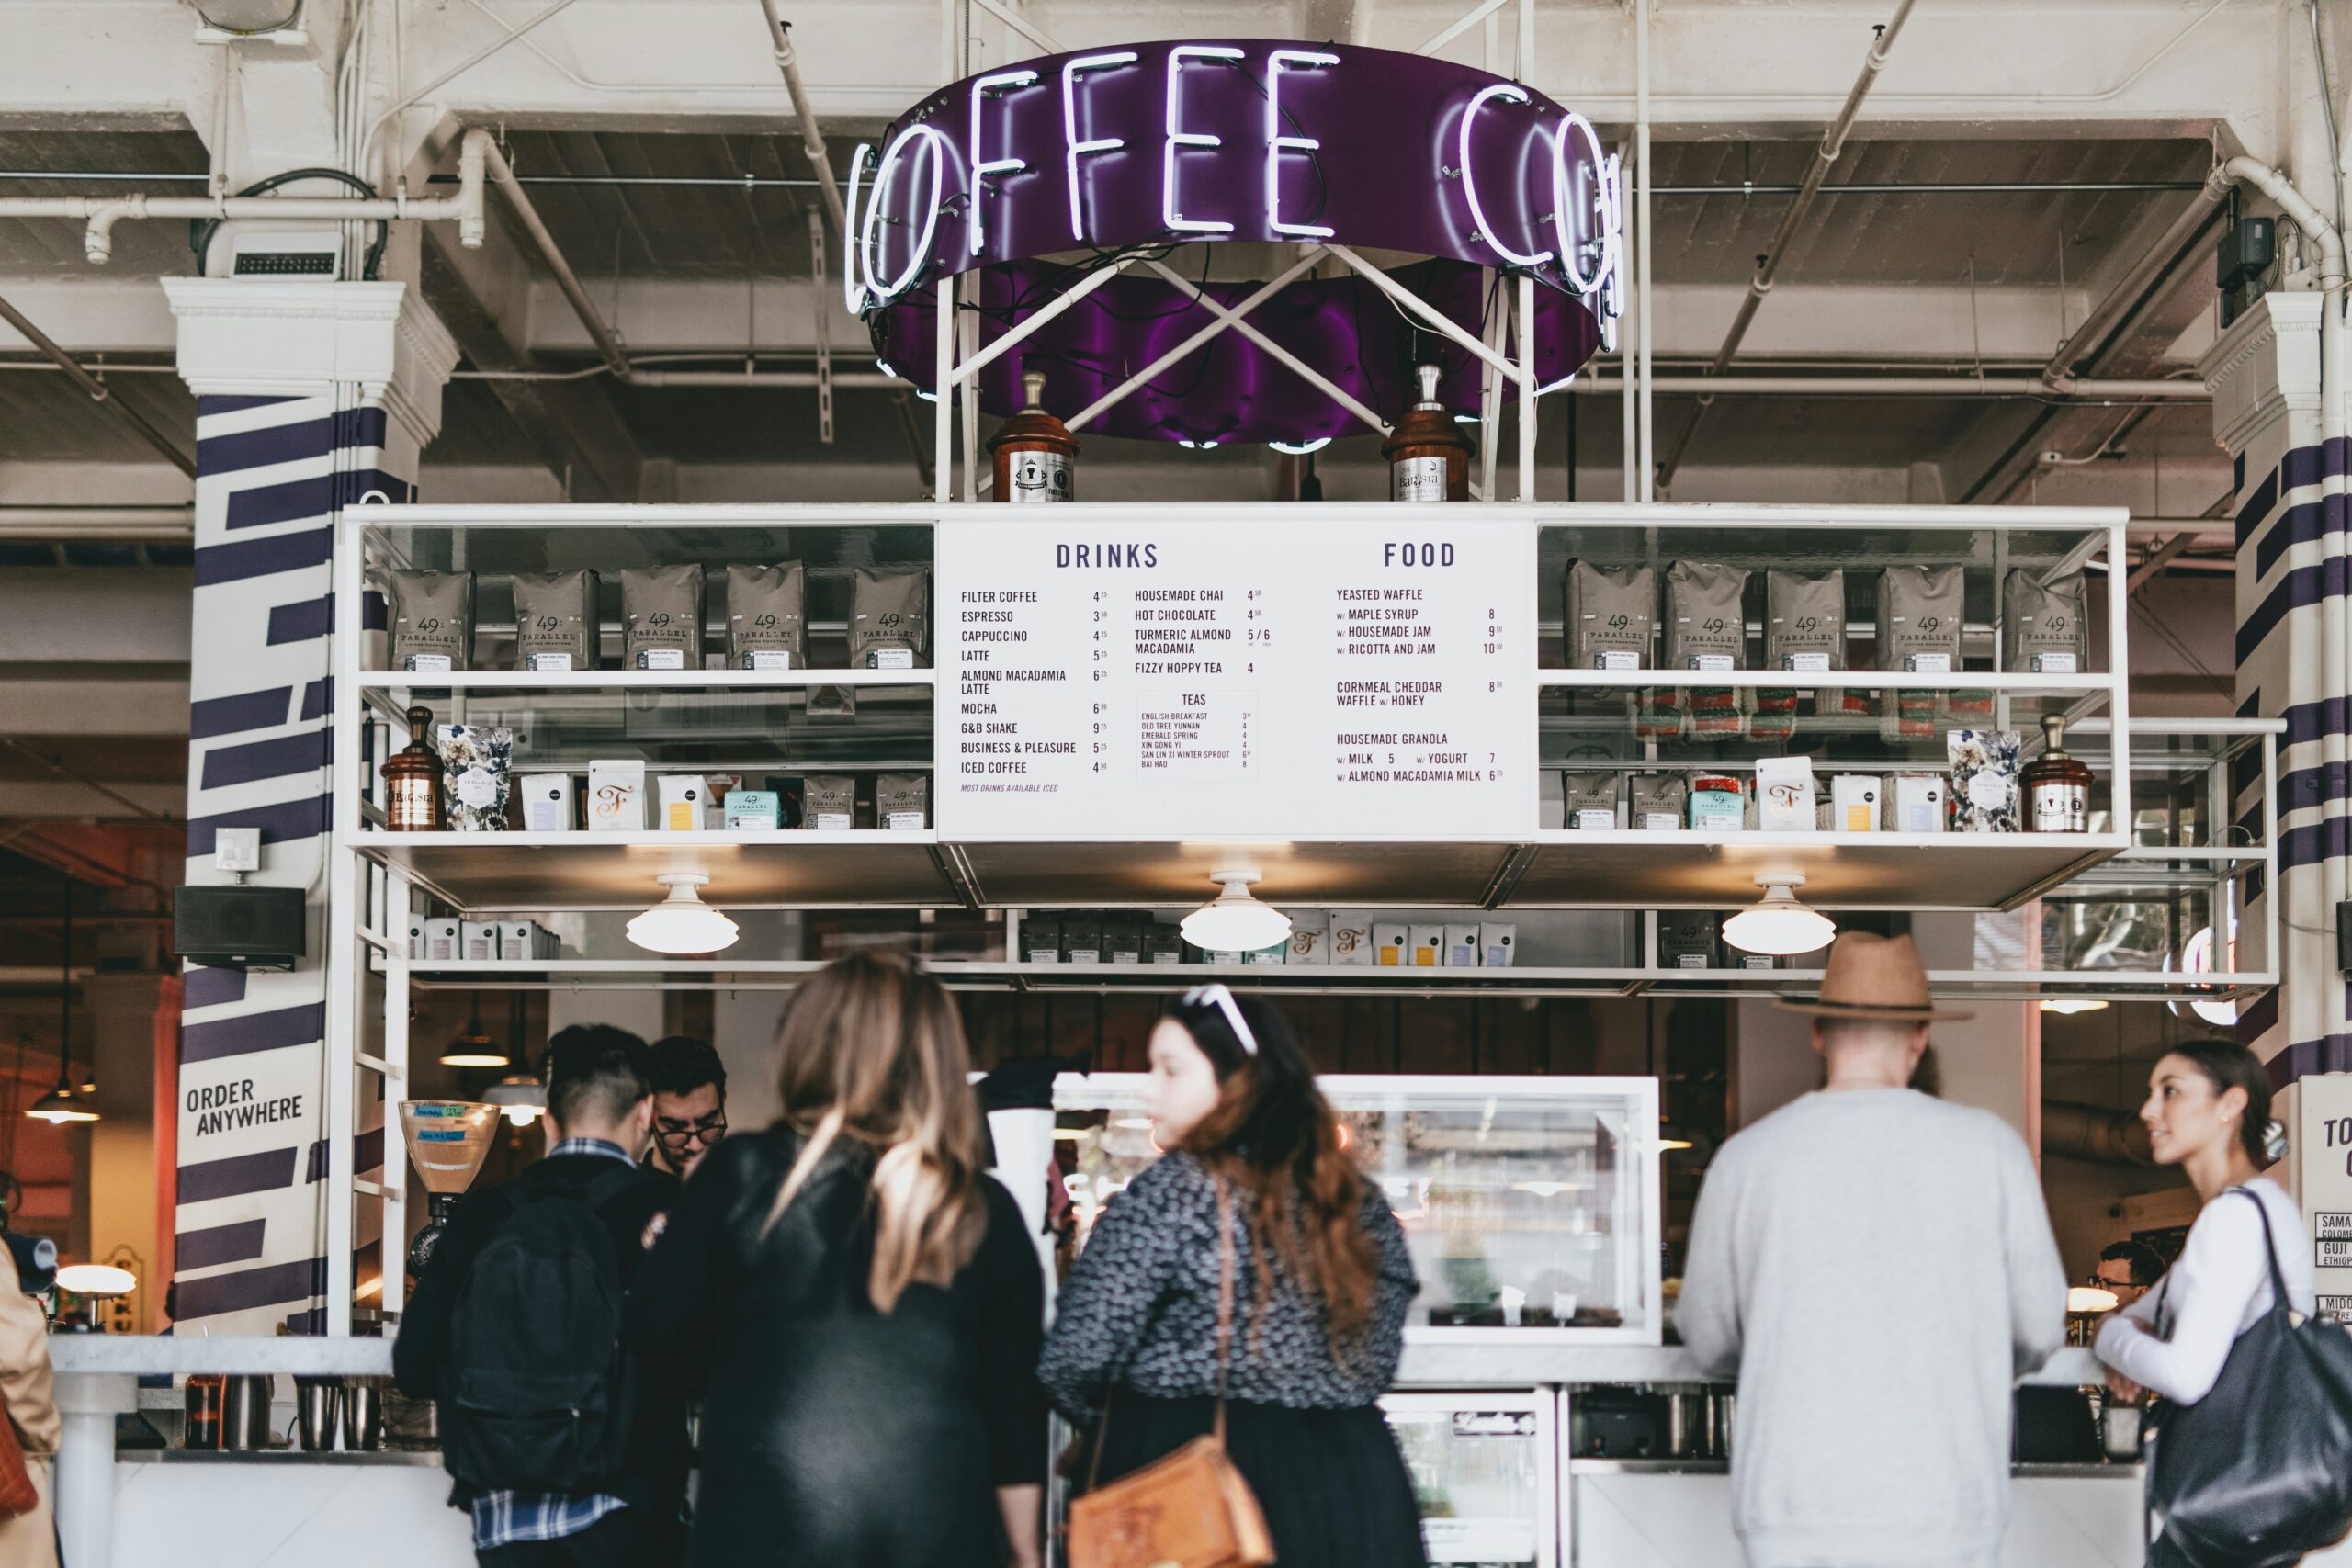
(1309, 680)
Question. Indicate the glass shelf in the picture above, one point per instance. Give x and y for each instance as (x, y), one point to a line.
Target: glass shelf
(733, 729)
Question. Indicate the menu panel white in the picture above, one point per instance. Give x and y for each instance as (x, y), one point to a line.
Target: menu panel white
(1236, 680)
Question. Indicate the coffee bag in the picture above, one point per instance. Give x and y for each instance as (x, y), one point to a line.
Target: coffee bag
(1706, 628)
(1659, 802)
(1611, 616)
(902, 800)
(556, 624)
(1589, 801)
(1919, 624)
(1804, 634)
(767, 617)
(2042, 628)
(889, 625)
(661, 617)
(830, 802)
(432, 618)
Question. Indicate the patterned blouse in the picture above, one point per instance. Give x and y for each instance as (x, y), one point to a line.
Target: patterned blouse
(1140, 1306)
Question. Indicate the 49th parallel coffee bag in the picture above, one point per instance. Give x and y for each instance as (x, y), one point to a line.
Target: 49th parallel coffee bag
(1804, 634)
(1919, 626)
(661, 617)
(1611, 616)
(432, 618)
(889, 625)
(2042, 628)
(555, 620)
(767, 617)
(1706, 629)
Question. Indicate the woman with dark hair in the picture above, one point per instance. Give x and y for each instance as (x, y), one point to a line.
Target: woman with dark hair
(1321, 1281)
(2209, 1112)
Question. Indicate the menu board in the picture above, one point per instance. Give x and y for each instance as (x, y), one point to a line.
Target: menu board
(1237, 680)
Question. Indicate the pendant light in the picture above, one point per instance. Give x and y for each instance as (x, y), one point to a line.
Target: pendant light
(2066, 1005)
(1234, 921)
(473, 1047)
(60, 1104)
(1779, 926)
(520, 1096)
(681, 922)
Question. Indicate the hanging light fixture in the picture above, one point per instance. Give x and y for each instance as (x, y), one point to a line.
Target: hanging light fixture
(683, 923)
(2073, 1004)
(60, 1104)
(522, 1099)
(1779, 925)
(1234, 921)
(473, 1047)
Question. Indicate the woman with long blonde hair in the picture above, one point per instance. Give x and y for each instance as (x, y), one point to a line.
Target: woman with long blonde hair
(861, 1300)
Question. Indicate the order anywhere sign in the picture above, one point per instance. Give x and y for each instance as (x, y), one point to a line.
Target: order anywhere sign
(2322, 1160)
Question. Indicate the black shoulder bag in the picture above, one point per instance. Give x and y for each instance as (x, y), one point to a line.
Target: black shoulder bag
(2258, 1472)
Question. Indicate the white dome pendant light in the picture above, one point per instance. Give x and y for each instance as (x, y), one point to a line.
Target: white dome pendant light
(683, 923)
(1779, 926)
(1234, 921)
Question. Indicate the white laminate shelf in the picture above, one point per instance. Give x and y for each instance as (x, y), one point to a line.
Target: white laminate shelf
(633, 680)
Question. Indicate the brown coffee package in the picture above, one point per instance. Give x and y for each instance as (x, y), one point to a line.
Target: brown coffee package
(1611, 616)
(2043, 626)
(1919, 624)
(555, 620)
(902, 801)
(1589, 801)
(1706, 628)
(1657, 802)
(432, 618)
(767, 625)
(661, 617)
(1804, 634)
(889, 626)
(829, 802)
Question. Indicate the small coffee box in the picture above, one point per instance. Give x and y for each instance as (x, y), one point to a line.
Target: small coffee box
(1041, 938)
(1122, 938)
(1496, 941)
(1081, 939)
(478, 940)
(714, 808)
(1687, 938)
(1427, 947)
(1918, 803)
(416, 939)
(547, 804)
(1854, 803)
(1277, 953)
(753, 811)
(522, 940)
(1310, 938)
(1162, 944)
(1388, 939)
(1351, 939)
(1461, 947)
(617, 797)
(683, 797)
(443, 940)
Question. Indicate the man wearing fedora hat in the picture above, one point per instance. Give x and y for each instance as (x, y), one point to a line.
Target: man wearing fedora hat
(1791, 1286)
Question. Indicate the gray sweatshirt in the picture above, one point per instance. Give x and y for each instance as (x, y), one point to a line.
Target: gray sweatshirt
(1877, 1268)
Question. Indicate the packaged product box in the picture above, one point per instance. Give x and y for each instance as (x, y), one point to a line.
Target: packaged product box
(1983, 779)
(1611, 621)
(1279, 953)
(476, 773)
(1041, 937)
(478, 940)
(617, 801)
(1785, 795)
(1589, 801)
(1351, 938)
(752, 811)
(1659, 801)
(1688, 939)
(1310, 938)
(1425, 947)
(1223, 957)
(1918, 803)
(522, 940)
(416, 939)
(717, 788)
(1496, 939)
(1551, 809)
(830, 803)
(662, 613)
(1162, 944)
(1081, 939)
(889, 626)
(1462, 950)
(1123, 939)
(556, 624)
(547, 803)
(767, 616)
(2043, 631)
(430, 617)
(1388, 940)
(1759, 961)
(681, 797)
(1854, 803)
(1718, 803)
(443, 939)
(902, 801)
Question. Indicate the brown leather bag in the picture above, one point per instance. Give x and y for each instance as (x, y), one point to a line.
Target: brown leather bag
(17, 1494)
(1190, 1509)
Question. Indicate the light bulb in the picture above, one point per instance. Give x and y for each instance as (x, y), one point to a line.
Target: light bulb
(2089, 1299)
(683, 923)
(2073, 1004)
(1779, 926)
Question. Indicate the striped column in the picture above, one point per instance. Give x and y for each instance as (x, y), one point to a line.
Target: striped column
(2293, 575)
(309, 396)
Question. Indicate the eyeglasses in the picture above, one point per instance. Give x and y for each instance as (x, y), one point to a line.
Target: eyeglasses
(709, 1129)
(1221, 997)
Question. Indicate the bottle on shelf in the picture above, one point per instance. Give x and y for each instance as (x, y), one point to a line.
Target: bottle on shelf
(413, 781)
(1036, 457)
(1428, 458)
(2057, 784)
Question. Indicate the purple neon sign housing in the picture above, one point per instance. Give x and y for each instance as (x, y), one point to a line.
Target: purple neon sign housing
(1083, 155)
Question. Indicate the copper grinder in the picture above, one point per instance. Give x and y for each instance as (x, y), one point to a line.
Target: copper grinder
(1036, 457)
(1428, 458)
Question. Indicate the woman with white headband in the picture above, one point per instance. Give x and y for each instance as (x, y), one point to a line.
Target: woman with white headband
(1257, 1205)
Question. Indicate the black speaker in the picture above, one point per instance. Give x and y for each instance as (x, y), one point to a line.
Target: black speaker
(238, 926)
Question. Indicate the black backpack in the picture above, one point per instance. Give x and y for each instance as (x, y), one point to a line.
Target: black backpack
(538, 1394)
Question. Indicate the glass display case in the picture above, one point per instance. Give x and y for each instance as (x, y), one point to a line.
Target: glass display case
(1485, 1470)
(1530, 1203)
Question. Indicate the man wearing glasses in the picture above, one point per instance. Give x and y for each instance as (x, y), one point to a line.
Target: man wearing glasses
(689, 1104)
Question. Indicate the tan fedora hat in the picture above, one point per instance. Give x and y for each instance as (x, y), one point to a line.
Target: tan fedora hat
(1877, 977)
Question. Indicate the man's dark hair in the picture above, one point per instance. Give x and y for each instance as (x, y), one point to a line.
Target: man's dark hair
(682, 1063)
(596, 1071)
(2146, 1267)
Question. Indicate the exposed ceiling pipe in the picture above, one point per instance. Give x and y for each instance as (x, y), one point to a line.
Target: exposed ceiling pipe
(1832, 144)
(616, 358)
(99, 525)
(2097, 329)
(97, 389)
(1711, 384)
(812, 136)
(99, 214)
(2093, 1131)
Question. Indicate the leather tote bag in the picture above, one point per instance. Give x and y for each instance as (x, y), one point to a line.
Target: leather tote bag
(1190, 1509)
(19, 1496)
(2258, 1472)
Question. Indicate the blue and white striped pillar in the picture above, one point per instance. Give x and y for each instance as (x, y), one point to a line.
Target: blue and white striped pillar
(2294, 616)
(310, 395)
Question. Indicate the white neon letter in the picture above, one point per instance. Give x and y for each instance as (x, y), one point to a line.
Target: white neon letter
(1593, 212)
(1178, 137)
(1069, 126)
(883, 175)
(984, 166)
(853, 291)
(1277, 143)
(1510, 93)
